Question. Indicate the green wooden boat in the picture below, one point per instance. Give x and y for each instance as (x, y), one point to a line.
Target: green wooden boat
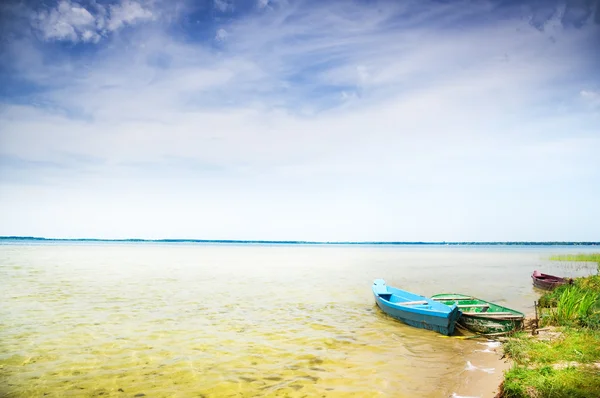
(483, 317)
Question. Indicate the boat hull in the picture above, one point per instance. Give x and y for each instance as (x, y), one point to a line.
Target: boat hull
(483, 317)
(428, 316)
(547, 282)
(437, 324)
(545, 285)
(486, 325)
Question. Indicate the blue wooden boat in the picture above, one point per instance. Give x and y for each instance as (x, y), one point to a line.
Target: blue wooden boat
(415, 310)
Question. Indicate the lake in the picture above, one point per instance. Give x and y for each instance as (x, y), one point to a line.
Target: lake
(225, 320)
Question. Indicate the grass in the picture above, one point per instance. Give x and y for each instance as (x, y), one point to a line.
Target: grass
(574, 345)
(569, 364)
(534, 376)
(590, 283)
(573, 305)
(548, 382)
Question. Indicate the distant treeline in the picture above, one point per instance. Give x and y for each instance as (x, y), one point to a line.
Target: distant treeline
(294, 242)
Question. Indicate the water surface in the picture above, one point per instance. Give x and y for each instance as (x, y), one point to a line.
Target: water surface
(110, 319)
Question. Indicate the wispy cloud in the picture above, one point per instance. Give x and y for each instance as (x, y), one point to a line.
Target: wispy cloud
(590, 95)
(262, 3)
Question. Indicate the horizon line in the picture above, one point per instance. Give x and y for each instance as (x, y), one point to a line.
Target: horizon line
(305, 242)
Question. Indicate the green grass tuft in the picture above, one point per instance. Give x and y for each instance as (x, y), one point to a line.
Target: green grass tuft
(578, 345)
(590, 283)
(566, 365)
(547, 382)
(573, 305)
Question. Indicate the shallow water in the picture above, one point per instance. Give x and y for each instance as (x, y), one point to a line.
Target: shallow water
(245, 320)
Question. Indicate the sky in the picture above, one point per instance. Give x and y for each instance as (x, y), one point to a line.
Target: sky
(363, 120)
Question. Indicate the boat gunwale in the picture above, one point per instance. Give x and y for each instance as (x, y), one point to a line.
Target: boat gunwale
(517, 314)
(438, 310)
(418, 308)
(439, 317)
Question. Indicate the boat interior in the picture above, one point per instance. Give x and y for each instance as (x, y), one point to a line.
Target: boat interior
(392, 298)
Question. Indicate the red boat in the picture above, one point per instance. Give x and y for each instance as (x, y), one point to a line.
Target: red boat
(548, 282)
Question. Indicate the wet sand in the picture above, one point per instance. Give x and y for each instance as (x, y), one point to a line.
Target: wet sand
(487, 365)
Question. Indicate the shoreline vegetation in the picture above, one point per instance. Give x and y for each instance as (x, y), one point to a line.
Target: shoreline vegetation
(562, 357)
(300, 242)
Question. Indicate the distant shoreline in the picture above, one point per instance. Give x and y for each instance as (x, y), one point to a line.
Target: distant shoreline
(293, 242)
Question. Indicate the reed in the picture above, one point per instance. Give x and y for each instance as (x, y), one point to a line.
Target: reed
(573, 305)
(585, 257)
(591, 257)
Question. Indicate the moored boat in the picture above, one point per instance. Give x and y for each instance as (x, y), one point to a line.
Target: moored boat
(415, 310)
(548, 282)
(483, 317)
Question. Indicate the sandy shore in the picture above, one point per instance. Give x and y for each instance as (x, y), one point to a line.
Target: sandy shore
(484, 370)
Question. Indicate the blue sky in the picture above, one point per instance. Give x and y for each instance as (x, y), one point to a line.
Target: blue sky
(309, 120)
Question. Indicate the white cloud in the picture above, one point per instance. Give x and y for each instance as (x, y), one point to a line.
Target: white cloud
(591, 99)
(127, 13)
(90, 36)
(262, 3)
(70, 21)
(223, 5)
(589, 95)
(221, 34)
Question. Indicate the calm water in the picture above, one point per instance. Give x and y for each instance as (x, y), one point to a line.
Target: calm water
(242, 321)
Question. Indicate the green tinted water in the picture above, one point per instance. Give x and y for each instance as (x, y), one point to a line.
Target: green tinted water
(239, 321)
